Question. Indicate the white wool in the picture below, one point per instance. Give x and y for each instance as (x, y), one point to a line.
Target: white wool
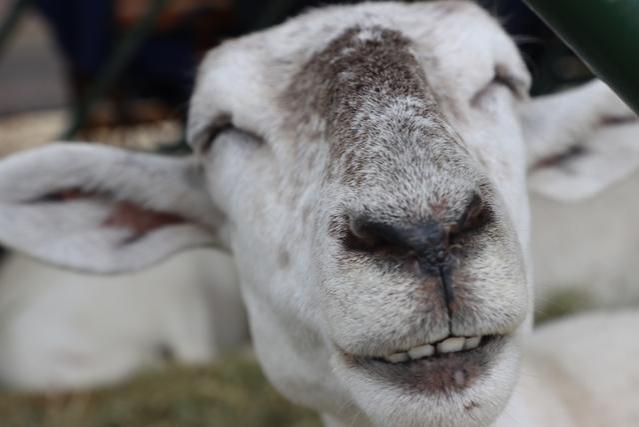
(314, 147)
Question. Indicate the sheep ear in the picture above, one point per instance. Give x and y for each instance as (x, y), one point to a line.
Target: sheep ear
(579, 142)
(607, 156)
(101, 209)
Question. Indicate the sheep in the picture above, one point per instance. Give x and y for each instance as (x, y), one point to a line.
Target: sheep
(570, 210)
(61, 330)
(561, 387)
(366, 166)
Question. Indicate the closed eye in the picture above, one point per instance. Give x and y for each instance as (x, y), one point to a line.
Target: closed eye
(202, 142)
(501, 78)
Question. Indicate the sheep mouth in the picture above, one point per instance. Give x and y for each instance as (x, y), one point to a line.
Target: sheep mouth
(445, 367)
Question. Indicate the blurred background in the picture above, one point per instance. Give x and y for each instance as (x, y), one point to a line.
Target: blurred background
(121, 72)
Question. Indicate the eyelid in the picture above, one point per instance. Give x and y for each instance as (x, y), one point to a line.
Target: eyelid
(208, 136)
(516, 86)
(501, 78)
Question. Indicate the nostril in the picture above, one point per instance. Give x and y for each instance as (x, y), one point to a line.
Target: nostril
(476, 215)
(428, 240)
(366, 234)
(358, 236)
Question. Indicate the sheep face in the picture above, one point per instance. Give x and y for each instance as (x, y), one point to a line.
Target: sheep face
(372, 168)
(366, 167)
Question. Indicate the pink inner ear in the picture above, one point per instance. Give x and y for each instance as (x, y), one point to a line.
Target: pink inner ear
(140, 220)
(137, 219)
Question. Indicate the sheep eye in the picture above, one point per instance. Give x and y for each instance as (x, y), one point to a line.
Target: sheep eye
(212, 135)
(500, 79)
(508, 81)
(205, 147)
(205, 139)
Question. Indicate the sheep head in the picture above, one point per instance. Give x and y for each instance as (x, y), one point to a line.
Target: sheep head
(366, 166)
(380, 163)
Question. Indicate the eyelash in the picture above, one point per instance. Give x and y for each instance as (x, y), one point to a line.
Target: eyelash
(498, 80)
(211, 135)
(507, 81)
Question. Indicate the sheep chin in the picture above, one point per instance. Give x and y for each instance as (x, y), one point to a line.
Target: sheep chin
(435, 391)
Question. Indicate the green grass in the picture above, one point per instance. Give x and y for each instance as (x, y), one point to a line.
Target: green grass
(231, 393)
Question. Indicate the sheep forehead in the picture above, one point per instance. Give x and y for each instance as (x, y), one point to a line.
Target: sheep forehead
(245, 79)
(371, 95)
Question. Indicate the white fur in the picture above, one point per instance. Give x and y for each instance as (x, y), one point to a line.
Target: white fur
(75, 240)
(277, 191)
(61, 330)
(576, 114)
(584, 208)
(579, 372)
(584, 219)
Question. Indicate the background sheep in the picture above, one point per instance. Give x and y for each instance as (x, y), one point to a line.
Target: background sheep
(586, 240)
(61, 330)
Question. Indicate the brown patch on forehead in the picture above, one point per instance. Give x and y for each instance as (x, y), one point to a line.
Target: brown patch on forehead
(362, 63)
(368, 91)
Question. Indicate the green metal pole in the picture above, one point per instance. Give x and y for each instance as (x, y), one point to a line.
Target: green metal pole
(604, 33)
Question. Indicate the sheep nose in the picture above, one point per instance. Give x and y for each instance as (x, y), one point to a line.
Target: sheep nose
(428, 241)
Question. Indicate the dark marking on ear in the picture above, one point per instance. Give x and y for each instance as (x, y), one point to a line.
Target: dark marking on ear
(140, 221)
(560, 159)
(64, 195)
(608, 121)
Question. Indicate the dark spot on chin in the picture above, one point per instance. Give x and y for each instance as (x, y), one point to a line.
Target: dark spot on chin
(283, 258)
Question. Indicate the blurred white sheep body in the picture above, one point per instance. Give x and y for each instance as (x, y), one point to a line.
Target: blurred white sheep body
(586, 247)
(62, 330)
